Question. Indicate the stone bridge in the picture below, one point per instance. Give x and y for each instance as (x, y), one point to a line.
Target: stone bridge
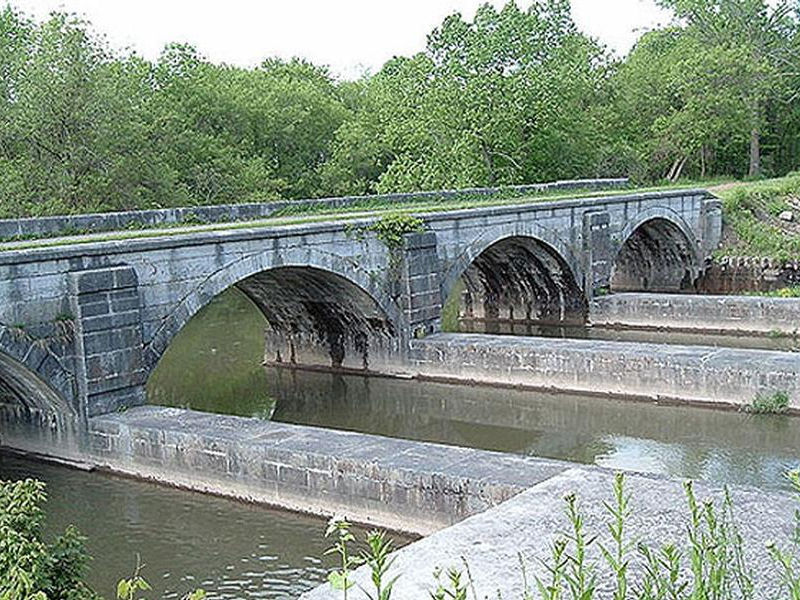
(82, 325)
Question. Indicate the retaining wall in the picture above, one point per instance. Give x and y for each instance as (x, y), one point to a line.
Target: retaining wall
(738, 274)
(689, 373)
(695, 312)
(397, 484)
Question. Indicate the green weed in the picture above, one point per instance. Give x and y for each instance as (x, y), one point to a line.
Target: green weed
(774, 403)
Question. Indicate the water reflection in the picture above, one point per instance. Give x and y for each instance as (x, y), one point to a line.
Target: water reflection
(724, 447)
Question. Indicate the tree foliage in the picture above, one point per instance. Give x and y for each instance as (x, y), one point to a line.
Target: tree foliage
(31, 569)
(515, 95)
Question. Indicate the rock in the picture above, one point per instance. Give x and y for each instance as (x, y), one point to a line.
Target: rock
(786, 215)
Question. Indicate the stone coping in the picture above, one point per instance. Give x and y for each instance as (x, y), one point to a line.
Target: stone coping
(220, 213)
(174, 238)
(698, 312)
(398, 484)
(730, 377)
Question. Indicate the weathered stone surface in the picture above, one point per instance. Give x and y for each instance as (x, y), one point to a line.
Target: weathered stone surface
(399, 484)
(526, 525)
(708, 313)
(50, 226)
(695, 373)
(737, 274)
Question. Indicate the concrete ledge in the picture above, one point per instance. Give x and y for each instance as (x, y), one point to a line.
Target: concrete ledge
(695, 312)
(687, 373)
(397, 484)
(527, 525)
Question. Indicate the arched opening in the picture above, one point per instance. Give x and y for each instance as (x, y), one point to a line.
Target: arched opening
(284, 316)
(657, 257)
(515, 286)
(318, 317)
(32, 413)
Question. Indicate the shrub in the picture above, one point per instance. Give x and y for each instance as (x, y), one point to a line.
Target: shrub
(774, 403)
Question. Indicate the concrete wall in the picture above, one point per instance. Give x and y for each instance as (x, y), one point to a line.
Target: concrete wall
(691, 373)
(690, 312)
(398, 484)
(225, 213)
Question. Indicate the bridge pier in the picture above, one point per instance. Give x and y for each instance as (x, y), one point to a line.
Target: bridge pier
(109, 350)
(598, 253)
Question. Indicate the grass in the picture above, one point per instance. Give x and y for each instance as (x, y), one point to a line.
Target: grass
(773, 403)
(750, 213)
(787, 292)
(367, 207)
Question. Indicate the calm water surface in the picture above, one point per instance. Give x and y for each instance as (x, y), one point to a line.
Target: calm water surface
(186, 539)
(237, 550)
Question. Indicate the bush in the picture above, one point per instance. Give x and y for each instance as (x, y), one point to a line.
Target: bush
(31, 569)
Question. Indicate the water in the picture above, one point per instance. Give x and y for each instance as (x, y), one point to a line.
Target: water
(214, 365)
(186, 539)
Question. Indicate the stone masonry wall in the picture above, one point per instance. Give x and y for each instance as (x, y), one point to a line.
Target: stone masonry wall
(738, 274)
(398, 484)
(97, 222)
(654, 371)
(109, 346)
(692, 312)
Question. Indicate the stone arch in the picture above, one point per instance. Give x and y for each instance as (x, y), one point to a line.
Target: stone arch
(312, 280)
(33, 377)
(658, 252)
(522, 275)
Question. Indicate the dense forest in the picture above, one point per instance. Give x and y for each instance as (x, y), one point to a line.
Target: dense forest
(518, 95)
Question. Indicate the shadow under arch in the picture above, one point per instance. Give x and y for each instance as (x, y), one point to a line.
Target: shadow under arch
(33, 377)
(38, 396)
(658, 253)
(517, 280)
(321, 309)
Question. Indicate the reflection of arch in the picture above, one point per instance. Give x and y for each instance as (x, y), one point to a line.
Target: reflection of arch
(32, 377)
(658, 252)
(332, 291)
(519, 279)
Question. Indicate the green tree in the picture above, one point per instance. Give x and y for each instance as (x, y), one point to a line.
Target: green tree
(758, 37)
(507, 98)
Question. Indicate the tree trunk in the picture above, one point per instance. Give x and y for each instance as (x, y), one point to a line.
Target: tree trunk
(679, 172)
(702, 161)
(677, 168)
(755, 152)
(488, 161)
